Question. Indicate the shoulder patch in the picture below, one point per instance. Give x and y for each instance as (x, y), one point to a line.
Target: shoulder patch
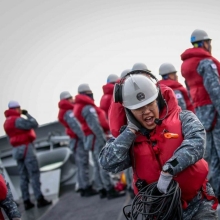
(213, 66)
(92, 110)
(71, 114)
(179, 96)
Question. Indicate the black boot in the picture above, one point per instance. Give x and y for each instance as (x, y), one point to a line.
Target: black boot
(28, 204)
(102, 193)
(82, 192)
(41, 202)
(112, 193)
(89, 191)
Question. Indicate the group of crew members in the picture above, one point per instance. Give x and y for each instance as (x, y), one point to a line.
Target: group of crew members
(139, 118)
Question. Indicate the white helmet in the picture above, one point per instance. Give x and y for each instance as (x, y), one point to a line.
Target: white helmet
(124, 72)
(138, 90)
(166, 68)
(13, 104)
(139, 66)
(199, 35)
(65, 95)
(83, 88)
(112, 78)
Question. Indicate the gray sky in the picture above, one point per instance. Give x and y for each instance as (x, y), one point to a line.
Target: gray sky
(47, 46)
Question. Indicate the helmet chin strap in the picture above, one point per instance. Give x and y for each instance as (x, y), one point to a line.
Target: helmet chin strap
(158, 121)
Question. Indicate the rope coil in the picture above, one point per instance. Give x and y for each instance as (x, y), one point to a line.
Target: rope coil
(150, 204)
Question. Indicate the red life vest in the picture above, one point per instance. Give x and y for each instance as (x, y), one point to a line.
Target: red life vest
(149, 160)
(80, 102)
(107, 97)
(17, 136)
(177, 86)
(191, 58)
(64, 106)
(154, 157)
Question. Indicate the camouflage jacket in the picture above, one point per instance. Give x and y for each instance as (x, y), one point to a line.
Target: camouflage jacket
(74, 125)
(115, 156)
(90, 115)
(180, 99)
(208, 70)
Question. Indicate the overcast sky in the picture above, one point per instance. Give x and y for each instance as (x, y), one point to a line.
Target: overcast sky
(48, 46)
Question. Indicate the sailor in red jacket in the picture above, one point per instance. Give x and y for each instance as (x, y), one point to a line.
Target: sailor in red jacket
(94, 125)
(77, 142)
(21, 136)
(170, 78)
(201, 72)
(161, 142)
(108, 91)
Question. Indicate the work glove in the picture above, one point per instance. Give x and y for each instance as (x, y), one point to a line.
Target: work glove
(164, 182)
(24, 112)
(132, 121)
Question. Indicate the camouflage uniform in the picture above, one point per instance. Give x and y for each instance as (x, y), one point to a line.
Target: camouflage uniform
(27, 164)
(115, 157)
(80, 154)
(206, 114)
(101, 177)
(180, 99)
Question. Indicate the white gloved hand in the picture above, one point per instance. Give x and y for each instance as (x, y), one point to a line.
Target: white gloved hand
(132, 126)
(132, 123)
(164, 182)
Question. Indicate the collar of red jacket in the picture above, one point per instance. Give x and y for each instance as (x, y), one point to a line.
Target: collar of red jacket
(171, 83)
(84, 99)
(65, 104)
(108, 88)
(195, 52)
(11, 112)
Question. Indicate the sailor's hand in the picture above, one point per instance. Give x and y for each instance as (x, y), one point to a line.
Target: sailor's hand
(24, 112)
(131, 122)
(164, 181)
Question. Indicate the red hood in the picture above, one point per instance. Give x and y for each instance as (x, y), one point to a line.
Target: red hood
(171, 83)
(194, 52)
(108, 88)
(84, 99)
(11, 112)
(64, 104)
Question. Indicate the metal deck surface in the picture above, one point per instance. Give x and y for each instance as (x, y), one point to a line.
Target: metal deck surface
(71, 205)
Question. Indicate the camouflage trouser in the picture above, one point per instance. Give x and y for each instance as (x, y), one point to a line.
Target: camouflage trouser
(200, 208)
(212, 156)
(82, 162)
(129, 177)
(29, 170)
(102, 178)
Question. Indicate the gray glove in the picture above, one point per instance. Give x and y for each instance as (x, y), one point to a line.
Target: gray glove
(131, 120)
(164, 182)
